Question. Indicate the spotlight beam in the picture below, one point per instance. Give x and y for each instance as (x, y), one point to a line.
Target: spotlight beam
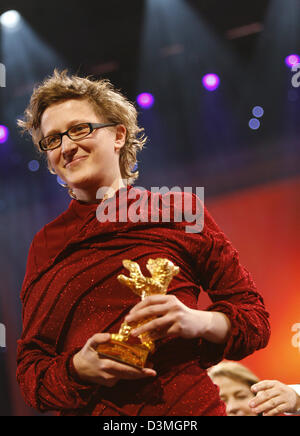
(10, 19)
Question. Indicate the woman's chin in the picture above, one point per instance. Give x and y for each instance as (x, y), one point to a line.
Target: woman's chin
(80, 182)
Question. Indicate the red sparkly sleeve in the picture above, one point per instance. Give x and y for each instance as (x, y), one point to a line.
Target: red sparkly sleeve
(232, 292)
(48, 381)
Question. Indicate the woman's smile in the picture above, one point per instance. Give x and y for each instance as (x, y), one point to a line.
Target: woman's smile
(75, 161)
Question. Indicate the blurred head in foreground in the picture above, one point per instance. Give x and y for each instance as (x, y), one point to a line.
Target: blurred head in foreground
(234, 381)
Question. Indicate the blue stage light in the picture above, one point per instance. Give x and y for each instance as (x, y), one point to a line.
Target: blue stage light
(33, 165)
(254, 124)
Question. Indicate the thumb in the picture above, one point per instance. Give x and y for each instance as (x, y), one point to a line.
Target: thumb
(98, 338)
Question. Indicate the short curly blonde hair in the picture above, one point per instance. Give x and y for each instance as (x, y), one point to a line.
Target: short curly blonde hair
(107, 102)
(235, 371)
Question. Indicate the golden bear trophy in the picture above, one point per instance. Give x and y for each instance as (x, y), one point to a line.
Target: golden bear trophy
(118, 348)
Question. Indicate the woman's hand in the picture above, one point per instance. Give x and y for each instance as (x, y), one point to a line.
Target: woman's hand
(168, 316)
(103, 371)
(273, 398)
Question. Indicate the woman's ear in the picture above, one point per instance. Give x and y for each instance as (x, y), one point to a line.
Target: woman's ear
(120, 136)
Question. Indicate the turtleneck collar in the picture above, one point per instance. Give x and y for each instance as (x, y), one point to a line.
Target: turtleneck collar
(81, 209)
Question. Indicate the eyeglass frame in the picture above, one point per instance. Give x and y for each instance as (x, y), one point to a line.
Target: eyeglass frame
(92, 126)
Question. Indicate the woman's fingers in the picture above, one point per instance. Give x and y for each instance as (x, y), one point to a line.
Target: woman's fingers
(155, 325)
(262, 385)
(95, 368)
(108, 374)
(159, 310)
(153, 300)
(262, 396)
(121, 370)
(165, 315)
(265, 403)
(96, 339)
(147, 312)
(156, 312)
(272, 398)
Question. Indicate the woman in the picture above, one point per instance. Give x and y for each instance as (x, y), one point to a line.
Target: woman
(245, 395)
(71, 298)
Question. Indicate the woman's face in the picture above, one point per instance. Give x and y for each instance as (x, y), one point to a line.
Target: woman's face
(89, 163)
(236, 396)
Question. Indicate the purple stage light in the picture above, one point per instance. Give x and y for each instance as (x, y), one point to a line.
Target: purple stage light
(145, 100)
(292, 60)
(258, 111)
(211, 82)
(3, 134)
(254, 124)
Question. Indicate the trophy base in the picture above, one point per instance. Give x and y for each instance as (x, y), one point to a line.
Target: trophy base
(133, 355)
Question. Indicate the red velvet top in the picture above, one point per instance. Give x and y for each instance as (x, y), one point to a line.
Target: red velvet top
(70, 292)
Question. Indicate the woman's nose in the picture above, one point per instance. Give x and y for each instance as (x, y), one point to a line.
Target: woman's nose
(231, 407)
(67, 145)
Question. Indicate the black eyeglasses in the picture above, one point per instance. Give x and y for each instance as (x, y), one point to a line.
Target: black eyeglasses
(77, 132)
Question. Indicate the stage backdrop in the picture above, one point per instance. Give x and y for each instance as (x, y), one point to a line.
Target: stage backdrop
(263, 224)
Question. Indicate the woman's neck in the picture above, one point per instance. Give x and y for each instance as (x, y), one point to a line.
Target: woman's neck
(99, 193)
